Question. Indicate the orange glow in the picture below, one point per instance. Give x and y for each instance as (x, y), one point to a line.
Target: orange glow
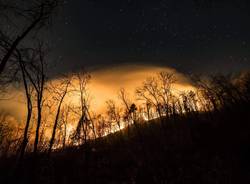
(104, 85)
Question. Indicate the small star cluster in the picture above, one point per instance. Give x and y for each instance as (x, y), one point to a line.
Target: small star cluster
(188, 34)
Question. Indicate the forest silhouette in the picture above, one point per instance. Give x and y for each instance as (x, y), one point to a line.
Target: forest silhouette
(166, 135)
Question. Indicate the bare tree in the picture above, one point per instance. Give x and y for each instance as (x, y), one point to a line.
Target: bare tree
(148, 106)
(166, 81)
(123, 96)
(36, 74)
(114, 113)
(206, 91)
(149, 92)
(132, 111)
(9, 134)
(60, 91)
(28, 93)
(101, 125)
(84, 121)
(65, 121)
(19, 20)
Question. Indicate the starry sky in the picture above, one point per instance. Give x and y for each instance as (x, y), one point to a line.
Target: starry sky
(192, 36)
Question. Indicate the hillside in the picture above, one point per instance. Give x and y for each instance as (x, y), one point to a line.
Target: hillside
(192, 148)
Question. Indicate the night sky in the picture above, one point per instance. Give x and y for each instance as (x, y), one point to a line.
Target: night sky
(204, 36)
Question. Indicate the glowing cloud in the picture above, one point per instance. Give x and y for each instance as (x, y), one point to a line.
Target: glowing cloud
(104, 85)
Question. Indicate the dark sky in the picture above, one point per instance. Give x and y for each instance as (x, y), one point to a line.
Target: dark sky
(189, 35)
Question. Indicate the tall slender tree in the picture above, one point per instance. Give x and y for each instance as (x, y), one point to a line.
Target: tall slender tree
(60, 92)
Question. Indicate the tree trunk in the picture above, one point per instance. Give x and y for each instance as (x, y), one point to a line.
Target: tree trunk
(54, 128)
(17, 41)
(29, 111)
(39, 118)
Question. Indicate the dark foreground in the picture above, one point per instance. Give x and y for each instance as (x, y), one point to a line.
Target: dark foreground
(192, 148)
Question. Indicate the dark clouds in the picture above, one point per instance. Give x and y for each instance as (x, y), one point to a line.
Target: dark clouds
(190, 35)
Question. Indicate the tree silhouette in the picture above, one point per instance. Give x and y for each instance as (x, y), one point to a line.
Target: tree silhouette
(60, 92)
(28, 93)
(126, 102)
(33, 15)
(113, 113)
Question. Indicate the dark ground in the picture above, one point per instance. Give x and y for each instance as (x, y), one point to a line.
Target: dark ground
(192, 148)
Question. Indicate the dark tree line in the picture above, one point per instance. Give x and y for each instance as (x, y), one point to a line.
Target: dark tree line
(157, 99)
(26, 64)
